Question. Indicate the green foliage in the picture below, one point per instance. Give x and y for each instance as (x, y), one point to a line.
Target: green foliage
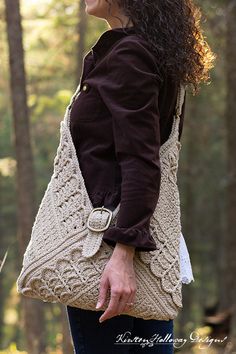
(50, 42)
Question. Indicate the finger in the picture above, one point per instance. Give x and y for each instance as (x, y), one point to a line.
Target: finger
(104, 286)
(130, 300)
(112, 307)
(123, 300)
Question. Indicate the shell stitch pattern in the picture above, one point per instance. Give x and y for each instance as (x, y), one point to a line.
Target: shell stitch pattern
(64, 260)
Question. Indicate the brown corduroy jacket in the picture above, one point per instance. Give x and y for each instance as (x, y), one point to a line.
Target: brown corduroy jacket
(122, 116)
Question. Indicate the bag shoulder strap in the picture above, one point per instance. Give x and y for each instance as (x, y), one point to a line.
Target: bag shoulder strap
(180, 99)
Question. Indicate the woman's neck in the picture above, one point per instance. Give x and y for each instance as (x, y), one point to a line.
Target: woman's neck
(114, 22)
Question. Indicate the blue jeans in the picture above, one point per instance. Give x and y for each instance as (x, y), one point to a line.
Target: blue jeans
(114, 335)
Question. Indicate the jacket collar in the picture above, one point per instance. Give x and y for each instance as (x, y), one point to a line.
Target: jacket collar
(108, 38)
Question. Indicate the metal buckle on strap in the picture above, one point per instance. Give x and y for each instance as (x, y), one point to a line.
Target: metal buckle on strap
(96, 217)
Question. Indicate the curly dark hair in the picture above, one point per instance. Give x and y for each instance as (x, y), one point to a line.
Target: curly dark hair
(172, 28)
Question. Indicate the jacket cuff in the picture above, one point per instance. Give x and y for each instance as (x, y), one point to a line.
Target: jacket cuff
(141, 238)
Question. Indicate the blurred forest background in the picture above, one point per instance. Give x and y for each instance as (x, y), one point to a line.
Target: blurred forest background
(34, 91)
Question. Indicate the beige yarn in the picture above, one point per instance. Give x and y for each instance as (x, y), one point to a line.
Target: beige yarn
(64, 260)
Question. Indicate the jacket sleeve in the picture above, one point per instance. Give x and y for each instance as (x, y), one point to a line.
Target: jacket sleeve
(130, 91)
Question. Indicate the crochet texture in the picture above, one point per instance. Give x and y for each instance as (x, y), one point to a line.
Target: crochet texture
(64, 260)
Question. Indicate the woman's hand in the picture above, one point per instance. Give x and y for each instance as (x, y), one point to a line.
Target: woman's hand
(119, 274)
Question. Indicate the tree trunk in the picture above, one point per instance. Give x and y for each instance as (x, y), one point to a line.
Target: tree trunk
(82, 27)
(230, 259)
(33, 310)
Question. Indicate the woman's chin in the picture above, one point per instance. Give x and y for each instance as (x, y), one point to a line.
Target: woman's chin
(93, 8)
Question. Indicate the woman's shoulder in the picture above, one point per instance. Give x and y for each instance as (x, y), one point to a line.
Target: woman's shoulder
(133, 42)
(134, 50)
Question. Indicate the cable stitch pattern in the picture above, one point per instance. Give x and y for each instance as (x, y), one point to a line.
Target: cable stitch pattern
(64, 259)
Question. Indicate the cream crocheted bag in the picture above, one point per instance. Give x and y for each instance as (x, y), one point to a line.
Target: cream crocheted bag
(66, 255)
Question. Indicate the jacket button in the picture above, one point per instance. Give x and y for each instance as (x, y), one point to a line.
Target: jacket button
(85, 87)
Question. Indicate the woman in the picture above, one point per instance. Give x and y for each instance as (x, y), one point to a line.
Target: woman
(122, 116)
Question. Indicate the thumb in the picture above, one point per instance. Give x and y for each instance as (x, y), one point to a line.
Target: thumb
(102, 293)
